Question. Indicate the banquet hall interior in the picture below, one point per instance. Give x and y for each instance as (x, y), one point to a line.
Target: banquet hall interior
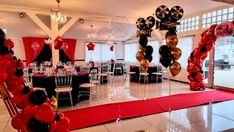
(117, 66)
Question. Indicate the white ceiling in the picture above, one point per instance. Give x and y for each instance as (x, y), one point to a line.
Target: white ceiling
(132, 9)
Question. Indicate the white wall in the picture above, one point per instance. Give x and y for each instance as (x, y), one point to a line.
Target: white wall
(18, 48)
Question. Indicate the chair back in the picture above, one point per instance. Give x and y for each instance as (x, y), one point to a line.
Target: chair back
(104, 68)
(84, 69)
(63, 81)
(93, 74)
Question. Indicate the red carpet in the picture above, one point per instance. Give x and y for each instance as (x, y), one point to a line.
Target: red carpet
(104, 113)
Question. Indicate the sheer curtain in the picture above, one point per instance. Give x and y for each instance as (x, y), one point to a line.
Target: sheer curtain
(186, 45)
(101, 52)
(130, 52)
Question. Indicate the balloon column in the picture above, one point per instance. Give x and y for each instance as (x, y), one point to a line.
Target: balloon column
(144, 55)
(169, 52)
(199, 54)
(36, 113)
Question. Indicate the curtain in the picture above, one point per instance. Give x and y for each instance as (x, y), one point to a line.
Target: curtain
(44, 55)
(69, 48)
(33, 47)
(63, 57)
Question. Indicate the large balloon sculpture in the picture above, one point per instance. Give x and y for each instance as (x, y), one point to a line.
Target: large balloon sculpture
(36, 112)
(144, 55)
(169, 52)
(199, 54)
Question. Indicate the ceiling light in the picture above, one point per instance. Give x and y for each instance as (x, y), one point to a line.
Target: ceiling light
(21, 15)
(4, 30)
(92, 34)
(81, 20)
(57, 16)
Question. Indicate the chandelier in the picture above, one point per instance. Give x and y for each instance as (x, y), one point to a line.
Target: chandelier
(57, 16)
(92, 34)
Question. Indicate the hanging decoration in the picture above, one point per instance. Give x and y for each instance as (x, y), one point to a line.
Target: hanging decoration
(36, 113)
(91, 37)
(169, 52)
(144, 55)
(91, 46)
(58, 43)
(199, 54)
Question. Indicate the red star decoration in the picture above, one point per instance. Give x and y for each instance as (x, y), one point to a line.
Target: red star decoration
(91, 46)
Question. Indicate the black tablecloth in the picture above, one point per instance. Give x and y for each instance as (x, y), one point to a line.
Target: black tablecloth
(151, 78)
(49, 84)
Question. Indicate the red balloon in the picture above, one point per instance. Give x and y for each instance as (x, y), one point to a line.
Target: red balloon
(190, 78)
(17, 100)
(9, 43)
(17, 123)
(58, 43)
(16, 90)
(3, 76)
(45, 113)
(4, 61)
(9, 56)
(194, 86)
(199, 77)
(28, 111)
(63, 125)
(20, 64)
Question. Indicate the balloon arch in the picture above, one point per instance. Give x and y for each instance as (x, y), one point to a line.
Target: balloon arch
(199, 54)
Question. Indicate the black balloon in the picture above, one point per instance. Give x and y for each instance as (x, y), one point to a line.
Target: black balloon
(165, 61)
(149, 50)
(149, 58)
(25, 90)
(3, 49)
(38, 97)
(2, 37)
(19, 72)
(150, 21)
(35, 125)
(143, 40)
(171, 33)
(164, 51)
(57, 117)
(140, 23)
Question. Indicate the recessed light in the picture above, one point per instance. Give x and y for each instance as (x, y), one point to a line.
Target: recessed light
(5, 30)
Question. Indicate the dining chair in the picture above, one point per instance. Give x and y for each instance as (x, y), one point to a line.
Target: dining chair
(63, 85)
(144, 74)
(87, 89)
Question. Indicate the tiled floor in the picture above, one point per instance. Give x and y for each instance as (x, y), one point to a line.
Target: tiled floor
(213, 117)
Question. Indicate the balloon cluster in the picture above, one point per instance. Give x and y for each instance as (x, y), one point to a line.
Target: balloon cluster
(58, 43)
(169, 52)
(36, 113)
(144, 55)
(199, 54)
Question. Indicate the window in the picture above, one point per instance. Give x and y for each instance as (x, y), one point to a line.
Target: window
(101, 52)
(216, 17)
(188, 24)
(186, 45)
(130, 52)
